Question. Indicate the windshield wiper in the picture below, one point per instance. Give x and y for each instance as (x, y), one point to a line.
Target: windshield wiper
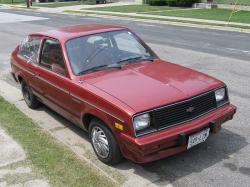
(129, 59)
(133, 60)
(118, 64)
(101, 67)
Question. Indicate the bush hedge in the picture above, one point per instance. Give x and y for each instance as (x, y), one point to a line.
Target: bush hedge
(180, 3)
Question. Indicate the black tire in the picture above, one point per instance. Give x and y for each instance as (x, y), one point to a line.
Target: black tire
(114, 156)
(29, 98)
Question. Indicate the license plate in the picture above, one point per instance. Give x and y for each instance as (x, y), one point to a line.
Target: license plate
(198, 138)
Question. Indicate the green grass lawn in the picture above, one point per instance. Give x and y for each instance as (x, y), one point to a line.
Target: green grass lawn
(62, 4)
(210, 14)
(243, 2)
(52, 159)
(10, 1)
(132, 8)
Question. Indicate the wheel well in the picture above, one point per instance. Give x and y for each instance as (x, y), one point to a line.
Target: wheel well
(87, 119)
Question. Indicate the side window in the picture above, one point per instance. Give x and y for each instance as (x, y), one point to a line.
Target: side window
(52, 57)
(29, 49)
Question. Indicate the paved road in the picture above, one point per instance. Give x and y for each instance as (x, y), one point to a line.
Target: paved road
(228, 44)
(221, 161)
(222, 43)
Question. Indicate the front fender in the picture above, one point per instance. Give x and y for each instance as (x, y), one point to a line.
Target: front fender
(107, 119)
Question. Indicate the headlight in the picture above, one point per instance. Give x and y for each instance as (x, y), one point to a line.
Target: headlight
(141, 121)
(220, 94)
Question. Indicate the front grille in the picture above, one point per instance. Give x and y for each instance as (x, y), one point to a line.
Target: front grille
(183, 111)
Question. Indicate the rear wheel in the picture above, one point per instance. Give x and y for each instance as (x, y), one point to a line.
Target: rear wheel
(29, 98)
(104, 143)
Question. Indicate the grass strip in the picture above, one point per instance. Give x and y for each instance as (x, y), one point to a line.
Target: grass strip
(208, 14)
(12, 1)
(156, 19)
(63, 4)
(132, 8)
(54, 160)
(23, 7)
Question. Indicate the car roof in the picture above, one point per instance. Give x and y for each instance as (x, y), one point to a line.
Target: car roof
(70, 32)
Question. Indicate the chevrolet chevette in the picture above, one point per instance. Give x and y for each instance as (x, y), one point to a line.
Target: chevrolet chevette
(107, 81)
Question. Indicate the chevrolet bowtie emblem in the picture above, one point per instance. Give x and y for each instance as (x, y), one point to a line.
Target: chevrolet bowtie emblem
(190, 109)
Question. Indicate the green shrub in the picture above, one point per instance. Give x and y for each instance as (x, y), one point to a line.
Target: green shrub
(186, 3)
(88, 2)
(179, 3)
(157, 2)
(172, 3)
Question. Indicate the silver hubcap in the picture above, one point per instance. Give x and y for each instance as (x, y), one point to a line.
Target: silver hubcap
(100, 142)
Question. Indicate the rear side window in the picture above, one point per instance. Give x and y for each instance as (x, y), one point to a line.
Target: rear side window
(29, 49)
(52, 56)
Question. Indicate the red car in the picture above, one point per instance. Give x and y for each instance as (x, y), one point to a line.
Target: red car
(109, 82)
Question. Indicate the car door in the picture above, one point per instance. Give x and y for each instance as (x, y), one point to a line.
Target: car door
(53, 77)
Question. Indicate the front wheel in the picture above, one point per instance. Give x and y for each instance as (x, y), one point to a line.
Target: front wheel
(104, 143)
(29, 98)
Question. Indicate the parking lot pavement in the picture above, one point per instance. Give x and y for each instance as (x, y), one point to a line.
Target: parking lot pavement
(14, 170)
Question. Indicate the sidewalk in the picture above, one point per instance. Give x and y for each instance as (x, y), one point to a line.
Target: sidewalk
(14, 167)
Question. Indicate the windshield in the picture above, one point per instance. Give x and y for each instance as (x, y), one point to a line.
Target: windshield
(106, 50)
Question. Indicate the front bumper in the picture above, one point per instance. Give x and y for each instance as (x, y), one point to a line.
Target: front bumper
(173, 140)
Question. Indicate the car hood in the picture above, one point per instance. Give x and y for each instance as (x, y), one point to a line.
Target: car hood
(147, 85)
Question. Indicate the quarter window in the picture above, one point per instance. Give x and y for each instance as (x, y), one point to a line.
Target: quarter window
(29, 49)
(52, 57)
